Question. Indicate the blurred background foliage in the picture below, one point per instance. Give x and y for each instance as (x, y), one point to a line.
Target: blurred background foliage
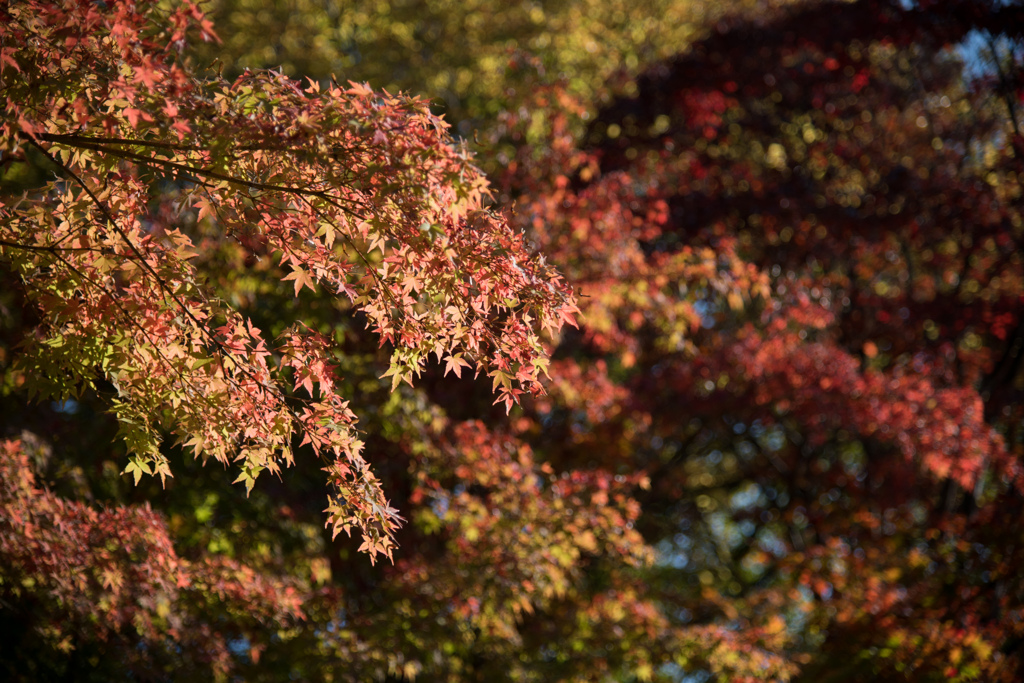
(457, 54)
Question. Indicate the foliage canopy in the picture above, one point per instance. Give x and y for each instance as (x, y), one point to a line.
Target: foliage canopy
(363, 195)
(784, 443)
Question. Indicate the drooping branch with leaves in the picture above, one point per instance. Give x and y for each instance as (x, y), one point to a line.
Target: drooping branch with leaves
(356, 194)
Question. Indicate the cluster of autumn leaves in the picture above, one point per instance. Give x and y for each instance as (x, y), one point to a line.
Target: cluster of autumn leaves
(308, 171)
(783, 442)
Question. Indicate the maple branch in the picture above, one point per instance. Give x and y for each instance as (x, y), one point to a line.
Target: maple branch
(1005, 88)
(202, 172)
(1005, 369)
(771, 457)
(51, 249)
(79, 140)
(366, 262)
(142, 259)
(133, 321)
(227, 352)
(76, 140)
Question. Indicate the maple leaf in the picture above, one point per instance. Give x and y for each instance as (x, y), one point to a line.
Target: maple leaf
(455, 363)
(301, 279)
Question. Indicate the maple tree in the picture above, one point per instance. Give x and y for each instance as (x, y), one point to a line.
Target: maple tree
(799, 250)
(783, 444)
(362, 194)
